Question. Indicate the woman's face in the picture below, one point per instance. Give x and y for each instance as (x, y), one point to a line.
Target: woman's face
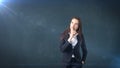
(74, 24)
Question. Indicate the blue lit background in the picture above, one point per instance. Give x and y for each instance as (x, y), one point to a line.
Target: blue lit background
(30, 30)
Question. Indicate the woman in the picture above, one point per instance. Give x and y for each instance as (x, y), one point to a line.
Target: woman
(71, 41)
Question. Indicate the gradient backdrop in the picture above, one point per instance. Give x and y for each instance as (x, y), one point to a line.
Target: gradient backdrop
(30, 31)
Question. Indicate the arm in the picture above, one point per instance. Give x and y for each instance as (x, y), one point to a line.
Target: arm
(84, 49)
(64, 45)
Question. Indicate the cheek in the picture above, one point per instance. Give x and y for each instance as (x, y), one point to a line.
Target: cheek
(71, 25)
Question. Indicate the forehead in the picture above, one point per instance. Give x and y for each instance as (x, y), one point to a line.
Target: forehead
(75, 20)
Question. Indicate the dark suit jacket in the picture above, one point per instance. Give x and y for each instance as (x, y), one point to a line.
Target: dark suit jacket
(67, 51)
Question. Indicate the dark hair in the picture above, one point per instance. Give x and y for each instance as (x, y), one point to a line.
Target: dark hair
(79, 30)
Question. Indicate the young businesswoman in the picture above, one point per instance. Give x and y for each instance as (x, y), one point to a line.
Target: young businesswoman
(71, 43)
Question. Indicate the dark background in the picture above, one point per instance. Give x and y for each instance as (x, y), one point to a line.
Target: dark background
(30, 31)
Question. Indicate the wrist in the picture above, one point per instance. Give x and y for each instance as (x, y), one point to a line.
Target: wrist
(69, 40)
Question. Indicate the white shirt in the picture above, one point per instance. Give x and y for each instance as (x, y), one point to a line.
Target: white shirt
(73, 42)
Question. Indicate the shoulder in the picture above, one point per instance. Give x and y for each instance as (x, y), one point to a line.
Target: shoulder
(64, 36)
(80, 37)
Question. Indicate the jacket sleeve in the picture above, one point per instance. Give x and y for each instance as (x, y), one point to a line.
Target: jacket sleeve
(84, 49)
(64, 45)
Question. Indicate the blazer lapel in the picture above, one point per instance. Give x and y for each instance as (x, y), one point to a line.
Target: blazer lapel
(78, 43)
